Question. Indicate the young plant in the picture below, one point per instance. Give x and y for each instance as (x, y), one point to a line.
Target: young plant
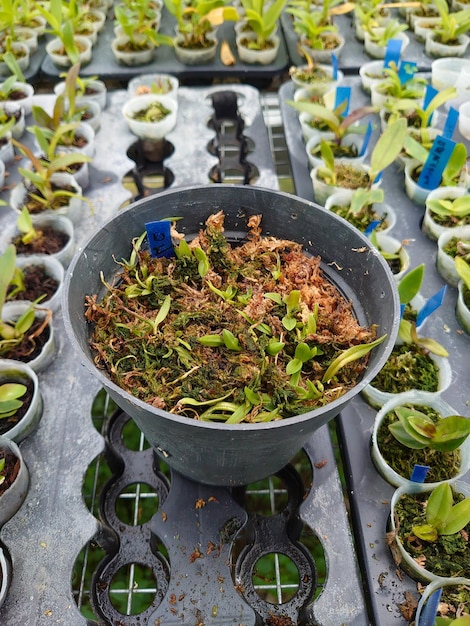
(10, 394)
(199, 18)
(452, 25)
(416, 116)
(416, 430)
(381, 36)
(61, 28)
(457, 210)
(12, 333)
(393, 85)
(337, 123)
(463, 270)
(40, 177)
(135, 20)
(262, 18)
(443, 517)
(314, 27)
(385, 151)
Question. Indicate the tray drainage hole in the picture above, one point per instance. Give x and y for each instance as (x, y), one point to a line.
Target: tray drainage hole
(271, 568)
(133, 589)
(267, 497)
(133, 438)
(136, 504)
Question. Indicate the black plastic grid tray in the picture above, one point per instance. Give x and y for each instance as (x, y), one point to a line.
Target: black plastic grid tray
(354, 55)
(370, 494)
(46, 535)
(104, 65)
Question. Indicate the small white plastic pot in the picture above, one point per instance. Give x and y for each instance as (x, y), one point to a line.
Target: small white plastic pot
(18, 372)
(16, 109)
(324, 55)
(251, 56)
(316, 87)
(349, 139)
(377, 398)
(417, 399)
(464, 119)
(11, 312)
(416, 571)
(161, 84)
(7, 153)
(97, 92)
(150, 130)
(21, 52)
(445, 264)
(56, 222)
(431, 228)
(195, 56)
(6, 575)
(424, 25)
(378, 52)
(391, 245)
(432, 588)
(371, 73)
(131, 58)
(462, 312)
(26, 101)
(446, 72)
(322, 190)
(53, 268)
(436, 49)
(54, 49)
(73, 209)
(13, 497)
(343, 198)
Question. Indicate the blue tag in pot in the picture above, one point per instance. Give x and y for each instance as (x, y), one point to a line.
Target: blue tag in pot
(450, 123)
(342, 99)
(406, 71)
(392, 53)
(431, 305)
(419, 473)
(159, 238)
(438, 158)
(429, 612)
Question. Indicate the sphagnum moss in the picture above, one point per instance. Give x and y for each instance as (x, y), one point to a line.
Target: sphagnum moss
(247, 333)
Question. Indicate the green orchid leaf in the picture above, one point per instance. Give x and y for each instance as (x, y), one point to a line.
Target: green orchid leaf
(439, 505)
(275, 297)
(211, 341)
(252, 397)
(25, 321)
(451, 432)
(457, 520)
(303, 352)
(293, 367)
(402, 436)
(289, 322)
(203, 262)
(433, 346)
(463, 270)
(351, 354)
(410, 284)
(426, 532)
(274, 347)
(230, 341)
(388, 147)
(12, 391)
(163, 312)
(7, 271)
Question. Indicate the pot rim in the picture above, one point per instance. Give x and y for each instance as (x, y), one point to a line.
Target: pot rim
(208, 425)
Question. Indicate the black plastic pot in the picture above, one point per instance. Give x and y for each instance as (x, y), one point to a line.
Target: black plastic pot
(216, 453)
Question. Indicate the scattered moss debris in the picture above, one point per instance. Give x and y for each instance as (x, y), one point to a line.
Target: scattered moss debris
(226, 333)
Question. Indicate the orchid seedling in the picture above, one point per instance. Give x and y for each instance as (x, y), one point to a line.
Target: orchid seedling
(10, 394)
(416, 430)
(443, 517)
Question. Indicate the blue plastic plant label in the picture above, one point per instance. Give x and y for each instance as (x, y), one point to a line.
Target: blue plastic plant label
(371, 227)
(406, 71)
(450, 123)
(334, 66)
(419, 473)
(429, 612)
(431, 305)
(429, 94)
(367, 136)
(342, 99)
(392, 53)
(438, 158)
(159, 238)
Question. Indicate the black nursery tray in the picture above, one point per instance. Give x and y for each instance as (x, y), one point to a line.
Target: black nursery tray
(370, 494)
(104, 65)
(217, 128)
(353, 55)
